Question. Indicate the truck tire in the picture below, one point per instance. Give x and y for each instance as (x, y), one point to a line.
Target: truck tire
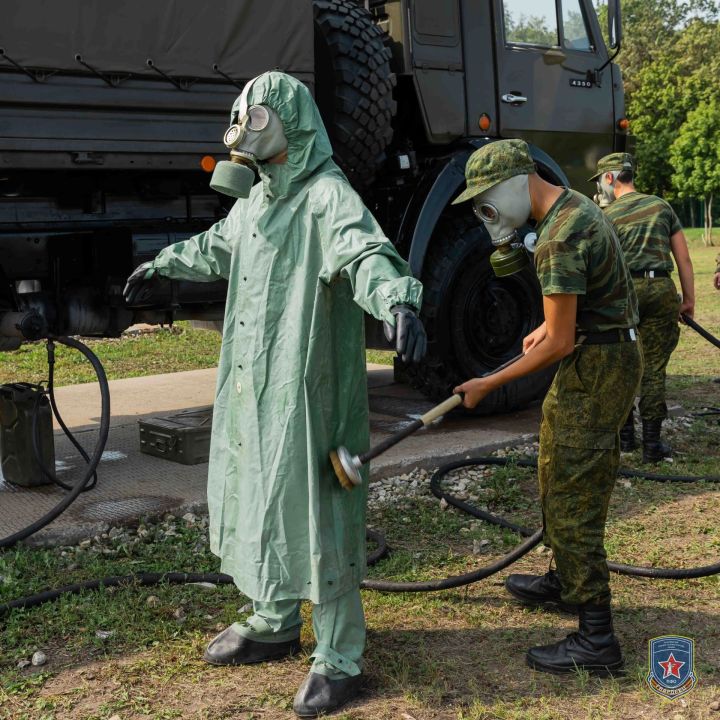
(354, 87)
(475, 321)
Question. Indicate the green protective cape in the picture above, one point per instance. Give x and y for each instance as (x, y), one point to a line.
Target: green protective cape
(304, 257)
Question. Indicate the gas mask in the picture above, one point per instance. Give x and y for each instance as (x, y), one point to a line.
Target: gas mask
(503, 209)
(605, 193)
(256, 135)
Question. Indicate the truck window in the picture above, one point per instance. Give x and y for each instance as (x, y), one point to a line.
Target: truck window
(575, 30)
(531, 22)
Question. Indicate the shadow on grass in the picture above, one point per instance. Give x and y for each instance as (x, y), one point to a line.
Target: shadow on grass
(461, 666)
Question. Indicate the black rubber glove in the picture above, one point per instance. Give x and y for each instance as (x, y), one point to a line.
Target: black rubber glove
(140, 284)
(408, 333)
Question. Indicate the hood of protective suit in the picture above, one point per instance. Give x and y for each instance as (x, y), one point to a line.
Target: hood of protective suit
(308, 142)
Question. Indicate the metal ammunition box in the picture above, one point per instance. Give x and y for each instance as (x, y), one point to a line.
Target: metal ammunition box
(183, 437)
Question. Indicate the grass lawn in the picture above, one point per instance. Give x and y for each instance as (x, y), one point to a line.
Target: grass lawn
(455, 655)
(695, 357)
(165, 350)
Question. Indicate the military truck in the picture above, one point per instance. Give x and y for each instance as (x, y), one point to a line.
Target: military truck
(111, 118)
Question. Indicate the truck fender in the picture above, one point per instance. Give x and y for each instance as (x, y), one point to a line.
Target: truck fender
(448, 184)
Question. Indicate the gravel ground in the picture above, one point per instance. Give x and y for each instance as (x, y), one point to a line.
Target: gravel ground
(399, 491)
(463, 483)
(120, 540)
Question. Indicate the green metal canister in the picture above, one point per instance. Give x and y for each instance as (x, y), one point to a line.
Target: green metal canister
(17, 457)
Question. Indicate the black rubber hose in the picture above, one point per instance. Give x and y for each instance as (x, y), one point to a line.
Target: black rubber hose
(533, 539)
(457, 580)
(60, 508)
(47, 472)
(145, 579)
(114, 581)
(61, 422)
(381, 550)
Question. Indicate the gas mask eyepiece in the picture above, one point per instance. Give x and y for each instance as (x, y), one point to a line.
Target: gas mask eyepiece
(256, 135)
(503, 209)
(256, 120)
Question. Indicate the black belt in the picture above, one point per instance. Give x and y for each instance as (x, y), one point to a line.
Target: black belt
(649, 273)
(606, 337)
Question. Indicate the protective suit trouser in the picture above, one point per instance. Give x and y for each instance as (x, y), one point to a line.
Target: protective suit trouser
(579, 456)
(339, 627)
(658, 306)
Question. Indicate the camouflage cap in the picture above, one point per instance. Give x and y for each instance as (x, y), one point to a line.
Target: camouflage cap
(494, 163)
(613, 162)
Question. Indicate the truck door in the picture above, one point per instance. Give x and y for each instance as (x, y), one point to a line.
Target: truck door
(549, 93)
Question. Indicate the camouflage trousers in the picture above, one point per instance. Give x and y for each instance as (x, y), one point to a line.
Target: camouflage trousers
(658, 306)
(587, 403)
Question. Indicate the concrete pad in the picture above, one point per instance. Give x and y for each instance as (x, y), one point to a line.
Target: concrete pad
(133, 485)
(135, 398)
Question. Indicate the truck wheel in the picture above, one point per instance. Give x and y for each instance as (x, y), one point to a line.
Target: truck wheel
(354, 87)
(475, 321)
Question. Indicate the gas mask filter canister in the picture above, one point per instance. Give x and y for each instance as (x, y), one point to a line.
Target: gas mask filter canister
(503, 209)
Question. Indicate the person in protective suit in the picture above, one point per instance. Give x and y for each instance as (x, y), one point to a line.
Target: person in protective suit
(651, 236)
(590, 317)
(303, 258)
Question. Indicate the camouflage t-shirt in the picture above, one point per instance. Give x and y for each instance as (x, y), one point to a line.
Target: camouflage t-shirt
(644, 225)
(578, 253)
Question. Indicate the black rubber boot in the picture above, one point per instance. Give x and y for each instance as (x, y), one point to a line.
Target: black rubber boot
(627, 434)
(594, 648)
(319, 694)
(231, 648)
(538, 590)
(654, 450)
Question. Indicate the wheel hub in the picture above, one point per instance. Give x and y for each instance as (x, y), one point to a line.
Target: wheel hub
(492, 318)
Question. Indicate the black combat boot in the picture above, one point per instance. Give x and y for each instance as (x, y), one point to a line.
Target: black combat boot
(627, 434)
(594, 648)
(538, 590)
(654, 450)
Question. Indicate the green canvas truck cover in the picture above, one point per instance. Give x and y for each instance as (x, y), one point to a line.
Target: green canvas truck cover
(183, 38)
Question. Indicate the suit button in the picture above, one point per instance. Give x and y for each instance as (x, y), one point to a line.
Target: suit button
(238, 387)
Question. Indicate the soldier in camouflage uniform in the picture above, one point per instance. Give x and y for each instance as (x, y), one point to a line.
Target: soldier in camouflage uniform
(590, 317)
(650, 234)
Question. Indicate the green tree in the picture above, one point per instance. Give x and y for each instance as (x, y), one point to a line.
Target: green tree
(698, 59)
(674, 82)
(530, 29)
(695, 156)
(651, 29)
(656, 110)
